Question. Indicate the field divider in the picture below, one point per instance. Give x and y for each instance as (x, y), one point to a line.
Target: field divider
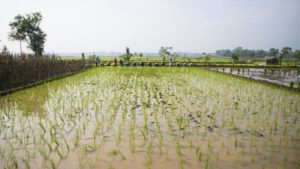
(258, 80)
(10, 91)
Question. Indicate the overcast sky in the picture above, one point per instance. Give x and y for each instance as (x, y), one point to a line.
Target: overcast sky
(145, 25)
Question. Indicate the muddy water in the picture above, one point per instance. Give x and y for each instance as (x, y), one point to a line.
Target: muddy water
(277, 76)
(150, 118)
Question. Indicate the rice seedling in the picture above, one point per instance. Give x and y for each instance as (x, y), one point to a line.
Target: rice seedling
(182, 110)
(26, 162)
(43, 153)
(206, 162)
(149, 156)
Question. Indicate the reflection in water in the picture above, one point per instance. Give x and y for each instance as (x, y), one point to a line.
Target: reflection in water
(30, 101)
(277, 76)
(150, 118)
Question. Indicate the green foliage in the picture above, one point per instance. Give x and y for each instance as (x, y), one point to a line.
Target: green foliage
(5, 51)
(224, 53)
(27, 28)
(274, 52)
(207, 58)
(235, 57)
(286, 51)
(127, 56)
(296, 54)
(236, 53)
(165, 52)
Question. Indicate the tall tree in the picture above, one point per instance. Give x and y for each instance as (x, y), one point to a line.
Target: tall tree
(286, 51)
(296, 54)
(18, 30)
(27, 28)
(260, 53)
(236, 53)
(127, 56)
(165, 52)
(274, 52)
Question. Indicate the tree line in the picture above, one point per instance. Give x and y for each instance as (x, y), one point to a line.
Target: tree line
(240, 53)
(27, 69)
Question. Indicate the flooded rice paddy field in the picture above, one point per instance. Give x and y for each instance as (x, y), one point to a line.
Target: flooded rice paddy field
(134, 117)
(279, 76)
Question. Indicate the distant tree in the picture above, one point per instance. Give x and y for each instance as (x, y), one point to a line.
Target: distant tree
(27, 28)
(260, 53)
(286, 51)
(174, 56)
(274, 52)
(18, 30)
(5, 50)
(140, 56)
(248, 53)
(235, 57)
(236, 54)
(127, 56)
(82, 56)
(37, 41)
(92, 58)
(165, 52)
(135, 54)
(207, 58)
(296, 54)
(223, 53)
(280, 57)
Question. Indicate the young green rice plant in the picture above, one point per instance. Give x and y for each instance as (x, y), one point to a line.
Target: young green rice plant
(198, 153)
(45, 141)
(145, 130)
(42, 127)
(125, 109)
(76, 138)
(253, 159)
(110, 166)
(206, 162)
(118, 135)
(82, 155)
(13, 161)
(60, 153)
(144, 135)
(43, 153)
(27, 163)
(67, 144)
(131, 140)
(179, 122)
(149, 156)
(53, 164)
(285, 157)
(179, 153)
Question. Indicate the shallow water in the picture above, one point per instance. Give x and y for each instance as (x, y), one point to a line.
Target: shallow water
(150, 118)
(277, 76)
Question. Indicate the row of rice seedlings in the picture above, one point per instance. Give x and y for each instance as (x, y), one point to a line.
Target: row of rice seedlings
(53, 126)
